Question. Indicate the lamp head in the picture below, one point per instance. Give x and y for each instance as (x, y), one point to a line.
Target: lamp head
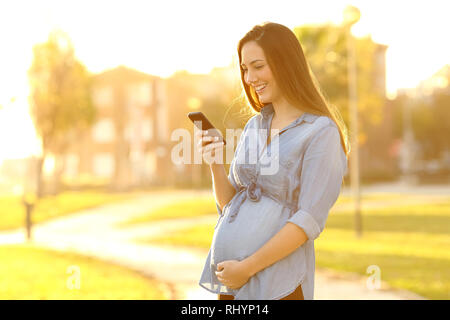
(351, 15)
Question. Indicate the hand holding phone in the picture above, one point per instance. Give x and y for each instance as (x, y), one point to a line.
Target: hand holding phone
(202, 123)
(210, 141)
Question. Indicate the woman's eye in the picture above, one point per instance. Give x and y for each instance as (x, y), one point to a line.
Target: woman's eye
(258, 67)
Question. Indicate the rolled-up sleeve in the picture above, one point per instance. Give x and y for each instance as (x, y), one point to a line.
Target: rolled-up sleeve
(324, 166)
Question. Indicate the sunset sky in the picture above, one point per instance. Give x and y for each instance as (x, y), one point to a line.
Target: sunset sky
(160, 37)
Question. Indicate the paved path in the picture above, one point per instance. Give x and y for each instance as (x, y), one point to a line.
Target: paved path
(94, 232)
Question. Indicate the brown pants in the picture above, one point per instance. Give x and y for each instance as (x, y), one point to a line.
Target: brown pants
(296, 295)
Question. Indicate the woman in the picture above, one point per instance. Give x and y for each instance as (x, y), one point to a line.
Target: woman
(263, 245)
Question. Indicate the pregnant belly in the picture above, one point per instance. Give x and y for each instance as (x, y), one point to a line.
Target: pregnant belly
(255, 224)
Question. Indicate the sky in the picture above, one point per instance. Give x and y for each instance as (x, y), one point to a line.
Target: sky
(160, 37)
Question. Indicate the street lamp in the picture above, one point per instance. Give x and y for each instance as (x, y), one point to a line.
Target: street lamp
(352, 16)
(407, 154)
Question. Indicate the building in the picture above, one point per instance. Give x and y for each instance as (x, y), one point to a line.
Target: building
(128, 143)
(439, 81)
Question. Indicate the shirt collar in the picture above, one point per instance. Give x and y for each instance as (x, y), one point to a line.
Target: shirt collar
(268, 110)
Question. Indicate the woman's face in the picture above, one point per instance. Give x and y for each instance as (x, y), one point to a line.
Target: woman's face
(257, 73)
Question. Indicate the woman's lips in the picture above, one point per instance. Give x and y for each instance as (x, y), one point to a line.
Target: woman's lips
(261, 90)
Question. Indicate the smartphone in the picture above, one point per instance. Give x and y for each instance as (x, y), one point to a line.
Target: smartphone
(197, 117)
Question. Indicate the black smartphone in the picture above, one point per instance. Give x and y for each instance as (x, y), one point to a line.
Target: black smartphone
(197, 117)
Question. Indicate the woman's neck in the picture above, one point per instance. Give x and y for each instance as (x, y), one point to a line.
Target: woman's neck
(284, 111)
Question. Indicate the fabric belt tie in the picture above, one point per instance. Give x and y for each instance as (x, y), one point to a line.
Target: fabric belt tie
(254, 193)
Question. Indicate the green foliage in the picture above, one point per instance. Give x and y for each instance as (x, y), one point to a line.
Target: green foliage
(60, 99)
(430, 122)
(431, 125)
(60, 86)
(325, 49)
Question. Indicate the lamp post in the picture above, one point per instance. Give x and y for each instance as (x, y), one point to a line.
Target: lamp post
(407, 146)
(352, 16)
(29, 194)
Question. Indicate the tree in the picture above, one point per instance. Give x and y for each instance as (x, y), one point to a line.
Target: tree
(60, 101)
(326, 52)
(431, 124)
(325, 49)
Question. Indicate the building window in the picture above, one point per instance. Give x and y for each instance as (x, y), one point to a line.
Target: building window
(150, 164)
(147, 130)
(103, 96)
(161, 122)
(71, 166)
(103, 131)
(140, 94)
(128, 132)
(103, 165)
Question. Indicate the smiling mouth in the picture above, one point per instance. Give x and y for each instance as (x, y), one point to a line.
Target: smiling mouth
(260, 90)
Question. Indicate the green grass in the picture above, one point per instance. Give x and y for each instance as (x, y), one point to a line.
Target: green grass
(409, 243)
(29, 272)
(206, 205)
(182, 209)
(370, 197)
(199, 236)
(12, 211)
(419, 262)
(427, 218)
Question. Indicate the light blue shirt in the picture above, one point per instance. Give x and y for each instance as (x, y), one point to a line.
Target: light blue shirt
(311, 164)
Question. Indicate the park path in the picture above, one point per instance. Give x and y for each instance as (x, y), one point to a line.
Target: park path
(94, 232)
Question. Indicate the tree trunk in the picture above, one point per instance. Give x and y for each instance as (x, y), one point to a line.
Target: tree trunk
(56, 177)
(40, 182)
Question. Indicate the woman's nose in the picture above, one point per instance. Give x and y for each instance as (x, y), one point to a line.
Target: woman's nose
(250, 79)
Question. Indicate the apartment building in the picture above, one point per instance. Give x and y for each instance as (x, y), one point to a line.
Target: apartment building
(128, 143)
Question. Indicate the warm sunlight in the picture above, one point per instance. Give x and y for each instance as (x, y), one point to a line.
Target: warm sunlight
(331, 123)
(196, 36)
(17, 132)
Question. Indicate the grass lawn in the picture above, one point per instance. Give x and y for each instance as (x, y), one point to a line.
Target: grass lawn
(182, 209)
(410, 244)
(206, 205)
(12, 211)
(29, 272)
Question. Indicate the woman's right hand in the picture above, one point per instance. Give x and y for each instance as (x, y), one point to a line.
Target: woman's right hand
(212, 152)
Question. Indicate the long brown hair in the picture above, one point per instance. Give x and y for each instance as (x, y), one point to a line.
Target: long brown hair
(291, 72)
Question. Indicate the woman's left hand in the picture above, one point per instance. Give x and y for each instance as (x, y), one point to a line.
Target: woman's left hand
(232, 274)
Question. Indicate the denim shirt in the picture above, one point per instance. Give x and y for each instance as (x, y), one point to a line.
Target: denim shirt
(296, 178)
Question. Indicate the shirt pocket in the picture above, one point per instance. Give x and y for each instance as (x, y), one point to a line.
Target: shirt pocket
(275, 177)
(287, 163)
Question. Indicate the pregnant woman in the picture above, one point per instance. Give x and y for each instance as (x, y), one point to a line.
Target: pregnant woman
(263, 244)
